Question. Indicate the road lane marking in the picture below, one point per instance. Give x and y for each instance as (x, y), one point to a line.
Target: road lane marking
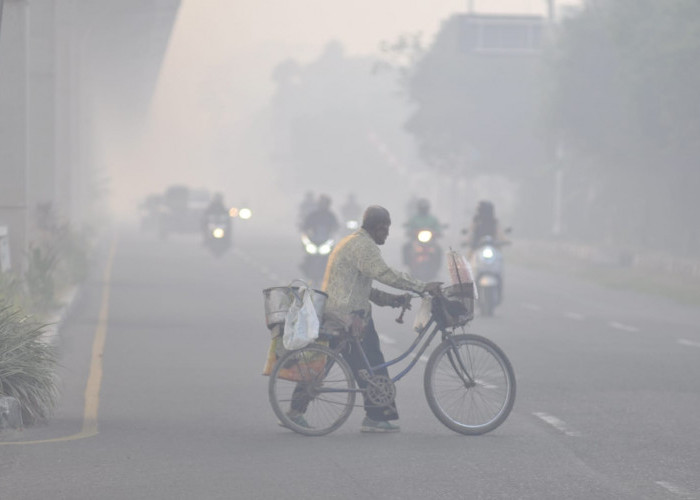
(94, 381)
(690, 343)
(676, 490)
(557, 423)
(623, 327)
(574, 316)
(387, 340)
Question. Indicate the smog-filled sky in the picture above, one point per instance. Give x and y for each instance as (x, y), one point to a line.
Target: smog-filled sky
(216, 80)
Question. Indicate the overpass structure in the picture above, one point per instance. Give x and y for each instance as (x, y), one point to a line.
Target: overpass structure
(72, 73)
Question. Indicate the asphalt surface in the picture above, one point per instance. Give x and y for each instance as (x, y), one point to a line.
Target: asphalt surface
(607, 404)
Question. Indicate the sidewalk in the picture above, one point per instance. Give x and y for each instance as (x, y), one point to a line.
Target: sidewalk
(54, 321)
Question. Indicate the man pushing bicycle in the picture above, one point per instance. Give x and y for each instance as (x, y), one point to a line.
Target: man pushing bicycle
(352, 267)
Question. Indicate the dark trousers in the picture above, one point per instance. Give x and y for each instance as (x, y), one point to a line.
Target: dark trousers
(372, 349)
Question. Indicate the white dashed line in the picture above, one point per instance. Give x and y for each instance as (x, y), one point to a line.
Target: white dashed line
(558, 424)
(623, 327)
(674, 489)
(574, 316)
(690, 343)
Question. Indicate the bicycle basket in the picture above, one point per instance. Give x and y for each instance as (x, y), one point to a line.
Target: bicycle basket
(458, 304)
(279, 299)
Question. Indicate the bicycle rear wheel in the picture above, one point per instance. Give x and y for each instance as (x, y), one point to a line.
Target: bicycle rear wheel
(315, 383)
(469, 384)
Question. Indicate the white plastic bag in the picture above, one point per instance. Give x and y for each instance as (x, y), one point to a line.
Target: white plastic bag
(424, 314)
(301, 323)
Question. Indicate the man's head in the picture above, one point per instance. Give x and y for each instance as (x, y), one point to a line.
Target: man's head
(376, 221)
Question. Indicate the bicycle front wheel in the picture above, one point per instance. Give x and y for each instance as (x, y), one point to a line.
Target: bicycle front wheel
(469, 384)
(312, 390)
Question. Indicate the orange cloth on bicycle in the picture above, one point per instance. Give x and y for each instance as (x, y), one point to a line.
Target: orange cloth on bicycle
(355, 262)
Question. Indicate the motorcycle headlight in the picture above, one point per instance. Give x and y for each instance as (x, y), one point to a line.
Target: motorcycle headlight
(308, 245)
(487, 253)
(245, 213)
(352, 224)
(218, 233)
(326, 248)
(425, 236)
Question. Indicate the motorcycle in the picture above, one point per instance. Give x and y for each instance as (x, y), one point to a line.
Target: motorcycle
(317, 247)
(487, 265)
(423, 255)
(217, 236)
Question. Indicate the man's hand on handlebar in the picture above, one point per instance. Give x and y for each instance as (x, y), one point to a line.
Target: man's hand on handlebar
(433, 287)
(403, 300)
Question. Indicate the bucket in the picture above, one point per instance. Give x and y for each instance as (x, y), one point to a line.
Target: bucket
(279, 299)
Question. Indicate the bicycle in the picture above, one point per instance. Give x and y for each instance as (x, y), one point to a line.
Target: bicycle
(469, 382)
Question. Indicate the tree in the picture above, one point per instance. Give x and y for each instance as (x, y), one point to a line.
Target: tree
(624, 101)
(330, 119)
(475, 112)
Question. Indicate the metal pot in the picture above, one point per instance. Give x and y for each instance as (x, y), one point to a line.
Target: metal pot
(279, 299)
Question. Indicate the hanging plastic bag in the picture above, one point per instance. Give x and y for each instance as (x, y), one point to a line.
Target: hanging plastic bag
(461, 271)
(301, 323)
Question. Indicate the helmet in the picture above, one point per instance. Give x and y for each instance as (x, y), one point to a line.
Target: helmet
(485, 209)
(423, 206)
(324, 201)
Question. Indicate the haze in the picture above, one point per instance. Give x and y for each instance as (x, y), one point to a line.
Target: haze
(206, 126)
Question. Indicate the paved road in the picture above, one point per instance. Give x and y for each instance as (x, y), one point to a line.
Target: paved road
(162, 397)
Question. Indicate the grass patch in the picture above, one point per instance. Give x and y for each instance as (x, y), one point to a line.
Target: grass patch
(677, 287)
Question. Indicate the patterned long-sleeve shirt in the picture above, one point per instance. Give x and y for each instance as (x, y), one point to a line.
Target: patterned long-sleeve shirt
(353, 265)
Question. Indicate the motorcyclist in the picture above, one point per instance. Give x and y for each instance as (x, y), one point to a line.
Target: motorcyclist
(321, 223)
(422, 219)
(308, 205)
(484, 224)
(351, 211)
(216, 208)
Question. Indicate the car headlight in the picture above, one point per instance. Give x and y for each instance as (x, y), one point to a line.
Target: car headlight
(218, 233)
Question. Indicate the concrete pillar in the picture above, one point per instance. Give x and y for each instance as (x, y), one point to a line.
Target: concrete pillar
(41, 110)
(13, 126)
(66, 91)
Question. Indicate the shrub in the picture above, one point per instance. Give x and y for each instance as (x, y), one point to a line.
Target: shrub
(27, 365)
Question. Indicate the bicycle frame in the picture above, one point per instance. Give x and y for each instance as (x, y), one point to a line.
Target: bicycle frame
(421, 335)
(433, 323)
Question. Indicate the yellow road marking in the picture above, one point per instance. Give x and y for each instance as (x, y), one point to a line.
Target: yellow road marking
(94, 382)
